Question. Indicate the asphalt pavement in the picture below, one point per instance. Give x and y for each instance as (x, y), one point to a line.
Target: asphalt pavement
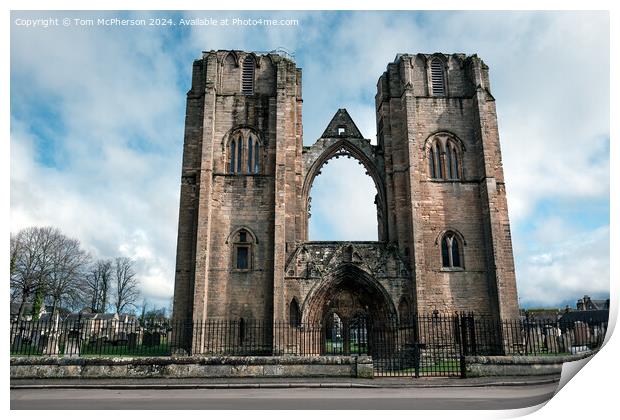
(479, 398)
(284, 393)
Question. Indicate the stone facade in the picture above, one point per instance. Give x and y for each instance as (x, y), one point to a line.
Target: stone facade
(444, 235)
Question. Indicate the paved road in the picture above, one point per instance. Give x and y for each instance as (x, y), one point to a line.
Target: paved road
(504, 397)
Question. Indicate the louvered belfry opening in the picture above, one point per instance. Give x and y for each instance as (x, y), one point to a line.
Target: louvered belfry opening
(437, 77)
(247, 80)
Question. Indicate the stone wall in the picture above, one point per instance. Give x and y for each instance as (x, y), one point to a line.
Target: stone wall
(191, 367)
(478, 366)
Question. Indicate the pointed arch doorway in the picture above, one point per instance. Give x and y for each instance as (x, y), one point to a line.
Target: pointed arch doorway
(348, 304)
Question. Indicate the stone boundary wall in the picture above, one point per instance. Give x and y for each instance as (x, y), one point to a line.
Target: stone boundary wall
(479, 366)
(191, 367)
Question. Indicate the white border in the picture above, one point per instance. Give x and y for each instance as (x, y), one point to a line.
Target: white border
(590, 394)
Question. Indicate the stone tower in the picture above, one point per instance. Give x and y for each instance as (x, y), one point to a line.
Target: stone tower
(444, 236)
(239, 189)
(437, 130)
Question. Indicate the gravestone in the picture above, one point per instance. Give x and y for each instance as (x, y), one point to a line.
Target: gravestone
(151, 339)
(51, 344)
(17, 342)
(565, 341)
(41, 342)
(582, 334)
(72, 343)
(535, 339)
(598, 335)
(52, 333)
(132, 341)
(37, 340)
(552, 335)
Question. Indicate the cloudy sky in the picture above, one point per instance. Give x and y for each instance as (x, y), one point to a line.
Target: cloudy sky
(97, 128)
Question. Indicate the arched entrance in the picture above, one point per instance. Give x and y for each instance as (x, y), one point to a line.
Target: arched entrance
(348, 304)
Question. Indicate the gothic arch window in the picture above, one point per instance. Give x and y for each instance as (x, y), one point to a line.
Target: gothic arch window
(444, 155)
(437, 160)
(229, 76)
(232, 157)
(452, 161)
(229, 62)
(239, 155)
(243, 249)
(451, 250)
(449, 159)
(247, 78)
(250, 147)
(432, 165)
(438, 78)
(244, 153)
(294, 315)
(256, 157)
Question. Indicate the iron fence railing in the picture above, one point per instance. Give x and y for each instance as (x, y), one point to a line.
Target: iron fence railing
(433, 345)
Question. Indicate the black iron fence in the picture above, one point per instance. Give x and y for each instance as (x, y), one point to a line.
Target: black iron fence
(433, 345)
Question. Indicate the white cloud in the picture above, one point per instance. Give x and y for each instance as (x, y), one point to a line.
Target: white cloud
(118, 99)
(342, 203)
(566, 266)
(115, 96)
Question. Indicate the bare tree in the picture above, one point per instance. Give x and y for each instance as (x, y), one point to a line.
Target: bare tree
(97, 285)
(66, 279)
(125, 285)
(31, 251)
(15, 249)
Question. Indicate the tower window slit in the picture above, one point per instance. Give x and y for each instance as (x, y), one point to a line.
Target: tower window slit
(247, 78)
(250, 143)
(454, 164)
(256, 157)
(449, 164)
(437, 77)
(439, 171)
(232, 157)
(239, 155)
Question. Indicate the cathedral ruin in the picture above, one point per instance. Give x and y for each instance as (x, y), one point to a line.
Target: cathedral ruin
(444, 241)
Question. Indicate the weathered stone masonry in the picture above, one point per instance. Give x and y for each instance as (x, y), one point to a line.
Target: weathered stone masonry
(444, 235)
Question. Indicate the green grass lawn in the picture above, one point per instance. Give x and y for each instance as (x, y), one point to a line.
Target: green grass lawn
(338, 347)
(26, 350)
(544, 354)
(449, 366)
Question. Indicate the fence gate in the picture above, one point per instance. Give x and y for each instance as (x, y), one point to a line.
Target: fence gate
(421, 346)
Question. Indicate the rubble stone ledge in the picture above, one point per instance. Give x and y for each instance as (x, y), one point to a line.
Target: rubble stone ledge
(191, 366)
(479, 366)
